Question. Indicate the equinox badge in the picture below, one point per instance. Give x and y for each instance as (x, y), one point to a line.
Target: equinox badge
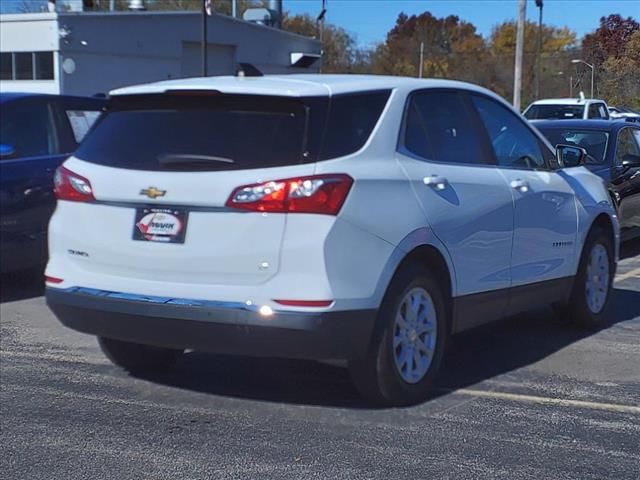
(153, 192)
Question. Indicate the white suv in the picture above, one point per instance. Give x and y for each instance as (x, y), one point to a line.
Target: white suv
(567, 109)
(358, 218)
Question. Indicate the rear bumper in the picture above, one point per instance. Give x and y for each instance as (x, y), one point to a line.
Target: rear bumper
(218, 327)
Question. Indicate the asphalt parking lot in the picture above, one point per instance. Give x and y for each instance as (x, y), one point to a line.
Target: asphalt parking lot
(530, 397)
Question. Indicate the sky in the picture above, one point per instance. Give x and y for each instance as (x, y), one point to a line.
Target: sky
(370, 20)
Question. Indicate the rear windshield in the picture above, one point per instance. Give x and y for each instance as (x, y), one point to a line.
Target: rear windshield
(211, 132)
(558, 112)
(593, 141)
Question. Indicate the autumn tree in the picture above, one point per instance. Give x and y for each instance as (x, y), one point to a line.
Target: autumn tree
(620, 75)
(219, 6)
(609, 39)
(340, 52)
(554, 58)
(452, 47)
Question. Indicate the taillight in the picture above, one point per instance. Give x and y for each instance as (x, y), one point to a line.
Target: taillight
(53, 280)
(323, 194)
(70, 186)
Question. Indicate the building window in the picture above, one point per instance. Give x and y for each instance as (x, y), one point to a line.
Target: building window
(26, 66)
(43, 62)
(23, 66)
(6, 66)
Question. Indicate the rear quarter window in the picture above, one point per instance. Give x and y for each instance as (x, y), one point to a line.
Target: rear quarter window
(351, 121)
(81, 122)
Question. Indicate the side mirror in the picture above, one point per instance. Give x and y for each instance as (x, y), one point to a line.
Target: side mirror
(629, 160)
(570, 156)
(6, 150)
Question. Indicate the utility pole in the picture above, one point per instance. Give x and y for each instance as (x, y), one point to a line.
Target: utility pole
(320, 26)
(421, 59)
(517, 70)
(539, 4)
(205, 6)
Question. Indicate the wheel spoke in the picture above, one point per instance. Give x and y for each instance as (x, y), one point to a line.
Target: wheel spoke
(424, 328)
(404, 357)
(417, 360)
(422, 346)
(400, 321)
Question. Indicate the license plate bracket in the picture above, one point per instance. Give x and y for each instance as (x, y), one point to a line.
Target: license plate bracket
(160, 224)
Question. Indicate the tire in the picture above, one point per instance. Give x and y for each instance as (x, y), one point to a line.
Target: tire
(137, 358)
(596, 272)
(382, 377)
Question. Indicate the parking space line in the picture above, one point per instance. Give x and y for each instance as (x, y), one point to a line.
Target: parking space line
(635, 273)
(561, 402)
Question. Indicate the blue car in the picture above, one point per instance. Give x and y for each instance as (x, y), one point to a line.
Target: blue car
(37, 132)
(613, 149)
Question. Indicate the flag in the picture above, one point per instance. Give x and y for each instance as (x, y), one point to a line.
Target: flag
(208, 6)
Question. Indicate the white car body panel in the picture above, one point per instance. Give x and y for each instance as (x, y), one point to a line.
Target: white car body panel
(472, 217)
(545, 227)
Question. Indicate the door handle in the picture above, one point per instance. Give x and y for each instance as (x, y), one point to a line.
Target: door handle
(436, 181)
(521, 185)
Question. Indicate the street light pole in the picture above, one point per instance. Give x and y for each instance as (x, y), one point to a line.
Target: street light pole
(592, 67)
(570, 86)
(539, 4)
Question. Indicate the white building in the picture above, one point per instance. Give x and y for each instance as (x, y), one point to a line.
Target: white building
(84, 53)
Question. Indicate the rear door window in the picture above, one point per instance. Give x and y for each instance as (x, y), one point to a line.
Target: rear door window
(559, 112)
(28, 127)
(440, 126)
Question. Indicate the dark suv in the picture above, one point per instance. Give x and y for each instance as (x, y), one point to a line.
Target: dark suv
(37, 132)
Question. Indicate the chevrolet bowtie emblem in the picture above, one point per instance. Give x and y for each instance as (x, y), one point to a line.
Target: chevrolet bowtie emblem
(153, 192)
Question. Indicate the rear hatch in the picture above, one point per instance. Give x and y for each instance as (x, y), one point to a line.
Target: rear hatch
(162, 168)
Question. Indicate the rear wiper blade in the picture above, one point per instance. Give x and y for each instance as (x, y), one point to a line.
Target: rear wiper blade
(178, 158)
